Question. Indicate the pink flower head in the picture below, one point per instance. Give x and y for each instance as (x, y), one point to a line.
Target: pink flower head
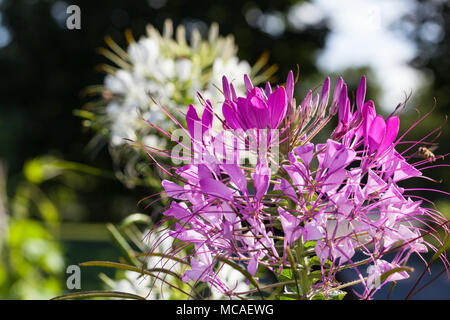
(256, 110)
(327, 200)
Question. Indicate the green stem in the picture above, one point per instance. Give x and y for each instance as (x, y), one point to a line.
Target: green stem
(303, 261)
(294, 270)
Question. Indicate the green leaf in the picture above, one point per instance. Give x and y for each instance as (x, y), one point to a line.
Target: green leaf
(285, 275)
(332, 295)
(314, 261)
(135, 218)
(441, 250)
(123, 244)
(287, 296)
(98, 294)
(84, 114)
(315, 275)
(122, 266)
(79, 167)
(309, 244)
(162, 255)
(385, 275)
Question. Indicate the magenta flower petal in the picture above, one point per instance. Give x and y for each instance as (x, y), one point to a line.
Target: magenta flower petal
(381, 267)
(290, 86)
(179, 212)
(344, 104)
(336, 96)
(297, 178)
(210, 186)
(312, 231)
(325, 95)
(395, 165)
(305, 106)
(287, 189)
(337, 156)
(376, 133)
(242, 113)
(261, 178)
(322, 251)
(345, 250)
(268, 89)
(237, 176)
(253, 265)
(187, 235)
(257, 112)
(392, 127)
(193, 122)
(173, 190)
(333, 181)
(305, 153)
(248, 83)
(361, 93)
(229, 113)
(290, 225)
(207, 117)
(226, 88)
(374, 184)
(369, 114)
(215, 188)
(277, 104)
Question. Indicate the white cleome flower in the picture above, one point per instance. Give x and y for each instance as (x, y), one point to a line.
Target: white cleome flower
(164, 258)
(167, 70)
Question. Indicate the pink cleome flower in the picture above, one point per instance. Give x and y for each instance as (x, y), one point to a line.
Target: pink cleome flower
(336, 198)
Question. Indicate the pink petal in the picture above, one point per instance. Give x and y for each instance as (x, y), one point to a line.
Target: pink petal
(287, 189)
(212, 187)
(336, 95)
(248, 83)
(392, 127)
(277, 105)
(361, 93)
(237, 176)
(376, 133)
(290, 86)
(369, 114)
(290, 225)
(344, 107)
(173, 190)
(229, 113)
(207, 117)
(226, 88)
(193, 122)
(325, 95)
(305, 152)
(257, 112)
(262, 180)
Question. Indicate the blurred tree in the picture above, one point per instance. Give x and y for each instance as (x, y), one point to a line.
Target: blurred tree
(31, 259)
(428, 26)
(46, 66)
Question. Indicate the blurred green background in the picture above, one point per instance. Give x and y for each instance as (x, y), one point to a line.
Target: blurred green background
(53, 210)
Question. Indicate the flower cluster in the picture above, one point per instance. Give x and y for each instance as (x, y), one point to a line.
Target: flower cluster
(302, 209)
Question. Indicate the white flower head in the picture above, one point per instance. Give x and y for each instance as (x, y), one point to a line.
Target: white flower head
(166, 70)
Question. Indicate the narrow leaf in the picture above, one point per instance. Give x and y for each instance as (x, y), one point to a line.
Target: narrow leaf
(441, 250)
(244, 272)
(98, 294)
(385, 275)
